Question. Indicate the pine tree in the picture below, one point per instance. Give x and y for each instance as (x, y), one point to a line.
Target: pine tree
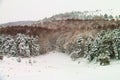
(119, 16)
(8, 47)
(79, 48)
(105, 45)
(110, 17)
(106, 16)
(19, 45)
(27, 46)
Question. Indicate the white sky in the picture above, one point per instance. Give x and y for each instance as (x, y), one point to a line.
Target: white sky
(18, 10)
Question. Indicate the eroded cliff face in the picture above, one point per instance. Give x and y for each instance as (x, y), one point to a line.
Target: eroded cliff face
(58, 34)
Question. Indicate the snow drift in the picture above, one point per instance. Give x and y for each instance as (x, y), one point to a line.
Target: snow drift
(57, 66)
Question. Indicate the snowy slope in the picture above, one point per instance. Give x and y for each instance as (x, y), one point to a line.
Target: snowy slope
(22, 23)
(57, 66)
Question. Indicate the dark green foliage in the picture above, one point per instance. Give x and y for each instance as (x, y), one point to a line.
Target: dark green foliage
(78, 50)
(106, 16)
(106, 44)
(110, 17)
(19, 45)
(102, 48)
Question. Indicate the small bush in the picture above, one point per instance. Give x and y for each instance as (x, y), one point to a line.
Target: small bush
(75, 47)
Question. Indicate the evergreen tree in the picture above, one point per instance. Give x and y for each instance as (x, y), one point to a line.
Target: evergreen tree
(119, 16)
(19, 45)
(79, 48)
(106, 16)
(106, 44)
(110, 17)
(8, 47)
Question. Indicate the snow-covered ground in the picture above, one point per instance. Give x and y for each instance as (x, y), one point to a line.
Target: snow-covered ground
(56, 66)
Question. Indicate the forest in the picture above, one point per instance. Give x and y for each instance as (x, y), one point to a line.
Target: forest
(94, 38)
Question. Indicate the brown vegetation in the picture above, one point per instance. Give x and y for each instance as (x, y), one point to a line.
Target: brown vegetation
(1, 57)
(60, 33)
(104, 61)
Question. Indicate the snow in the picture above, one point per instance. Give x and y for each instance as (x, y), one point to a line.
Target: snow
(56, 66)
(20, 44)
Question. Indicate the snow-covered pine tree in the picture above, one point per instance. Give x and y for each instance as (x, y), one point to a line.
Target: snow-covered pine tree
(1, 39)
(78, 49)
(100, 46)
(87, 48)
(8, 45)
(19, 45)
(105, 45)
(34, 46)
(27, 46)
(116, 43)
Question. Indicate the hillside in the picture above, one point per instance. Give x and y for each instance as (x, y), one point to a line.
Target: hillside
(75, 15)
(52, 33)
(70, 36)
(17, 23)
(61, 47)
